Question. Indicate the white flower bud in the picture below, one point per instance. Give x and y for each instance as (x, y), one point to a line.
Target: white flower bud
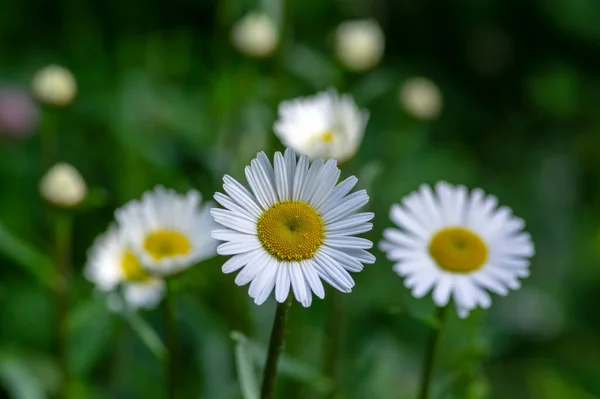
(255, 35)
(54, 85)
(359, 44)
(421, 98)
(62, 185)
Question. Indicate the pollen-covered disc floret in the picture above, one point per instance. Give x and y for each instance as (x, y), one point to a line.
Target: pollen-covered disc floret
(459, 245)
(168, 232)
(327, 125)
(295, 227)
(112, 264)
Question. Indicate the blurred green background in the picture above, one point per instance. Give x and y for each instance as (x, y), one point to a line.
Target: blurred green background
(164, 97)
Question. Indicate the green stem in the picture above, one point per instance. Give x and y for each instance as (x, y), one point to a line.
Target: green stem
(275, 347)
(48, 138)
(63, 242)
(432, 348)
(331, 341)
(171, 341)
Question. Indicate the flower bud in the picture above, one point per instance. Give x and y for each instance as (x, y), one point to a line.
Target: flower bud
(359, 44)
(54, 85)
(63, 185)
(421, 98)
(19, 114)
(255, 35)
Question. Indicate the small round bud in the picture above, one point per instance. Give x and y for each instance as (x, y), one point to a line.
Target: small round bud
(359, 44)
(54, 85)
(421, 98)
(63, 185)
(255, 35)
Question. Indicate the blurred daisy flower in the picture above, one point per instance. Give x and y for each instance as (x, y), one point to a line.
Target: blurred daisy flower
(295, 227)
(112, 263)
(54, 85)
(327, 125)
(63, 185)
(256, 35)
(168, 232)
(359, 44)
(457, 244)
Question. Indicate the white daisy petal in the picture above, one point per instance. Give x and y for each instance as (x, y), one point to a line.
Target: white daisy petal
(424, 284)
(351, 204)
(267, 288)
(281, 178)
(295, 228)
(348, 242)
(238, 261)
(300, 176)
(405, 220)
(282, 284)
(299, 285)
(460, 244)
(241, 195)
(252, 269)
(312, 278)
(238, 247)
(325, 183)
(233, 221)
(335, 269)
(290, 165)
(354, 220)
(231, 205)
(338, 193)
(310, 181)
(258, 188)
(261, 280)
(443, 289)
(347, 261)
(361, 255)
(398, 238)
(350, 231)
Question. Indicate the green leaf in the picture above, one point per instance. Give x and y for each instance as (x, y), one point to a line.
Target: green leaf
(292, 368)
(27, 257)
(90, 330)
(245, 366)
(146, 334)
(27, 375)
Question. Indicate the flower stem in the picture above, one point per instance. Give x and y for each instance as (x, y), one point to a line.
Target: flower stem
(432, 348)
(275, 347)
(331, 341)
(63, 240)
(171, 341)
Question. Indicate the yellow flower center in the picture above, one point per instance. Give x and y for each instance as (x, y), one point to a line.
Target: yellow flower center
(291, 231)
(327, 136)
(132, 269)
(166, 244)
(458, 249)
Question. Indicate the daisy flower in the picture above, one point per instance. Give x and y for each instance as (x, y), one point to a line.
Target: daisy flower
(457, 244)
(326, 125)
(167, 231)
(112, 263)
(294, 228)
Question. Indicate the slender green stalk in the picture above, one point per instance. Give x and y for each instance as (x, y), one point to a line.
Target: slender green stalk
(432, 348)
(63, 243)
(171, 341)
(48, 139)
(331, 341)
(275, 347)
